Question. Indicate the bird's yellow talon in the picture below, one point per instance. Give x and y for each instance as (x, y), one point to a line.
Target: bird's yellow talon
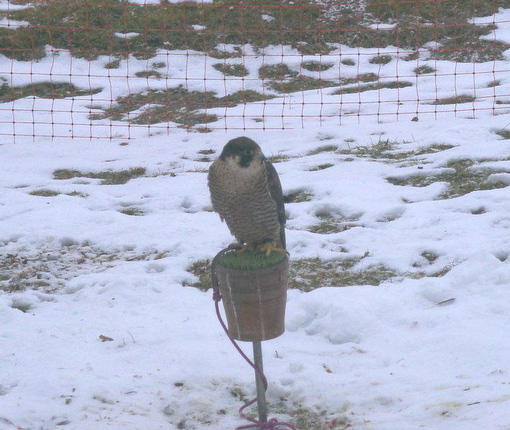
(268, 247)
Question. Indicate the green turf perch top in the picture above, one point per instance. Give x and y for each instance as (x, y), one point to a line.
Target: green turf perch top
(250, 260)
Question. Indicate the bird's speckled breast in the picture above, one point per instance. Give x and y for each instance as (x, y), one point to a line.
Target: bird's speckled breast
(241, 196)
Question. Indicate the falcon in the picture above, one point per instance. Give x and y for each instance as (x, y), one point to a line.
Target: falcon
(247, 194)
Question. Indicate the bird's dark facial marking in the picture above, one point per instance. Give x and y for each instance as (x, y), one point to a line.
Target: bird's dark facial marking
(243, 148)
(246, 158)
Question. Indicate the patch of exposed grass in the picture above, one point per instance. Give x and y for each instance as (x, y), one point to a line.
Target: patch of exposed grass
(298, 196)
(443, 271)
(372, 87)
(223, 55)
(301, 83)
(316, 66)
(132, 211)
(277, 72)
(362, 77)
(413, 56)
(383, 149)
(62, 174)
(465, 98)
(423, 70)
(44, 193)
(330, 226)
(92, 107)
(333, 222)
(231, 69)
(246, 96)
(377, 150)
(109, 177)
(504, 133)
(429, 256)
(494, 83)
(434, 148)
(115, 64)
(77, 194)
(386, 149)
(419, 274)
(324, 136)
(238, 393)
(307, 419)
(380, 59)
(465, 48)
(314, 48)
(348, 62)
(48, 267)
(323, 148)
(321, 167)
(202, 270)
(45, 90)
(460, 175)
(148, 74)
(278, 158)
(169, 173)
(311, 273)
(174, 105)
(198, 169)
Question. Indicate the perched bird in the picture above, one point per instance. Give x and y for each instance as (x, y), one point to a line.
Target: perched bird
(247, 194)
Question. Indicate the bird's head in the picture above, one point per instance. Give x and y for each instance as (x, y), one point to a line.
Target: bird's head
(243, 151)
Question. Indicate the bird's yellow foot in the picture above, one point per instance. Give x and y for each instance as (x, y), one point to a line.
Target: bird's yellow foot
(268, 247)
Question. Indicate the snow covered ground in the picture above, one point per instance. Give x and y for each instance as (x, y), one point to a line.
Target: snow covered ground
(98, 331)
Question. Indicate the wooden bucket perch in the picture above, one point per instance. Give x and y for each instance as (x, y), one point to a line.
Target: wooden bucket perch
(254, 301)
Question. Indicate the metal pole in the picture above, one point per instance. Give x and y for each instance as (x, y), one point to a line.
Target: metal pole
(261, 392)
